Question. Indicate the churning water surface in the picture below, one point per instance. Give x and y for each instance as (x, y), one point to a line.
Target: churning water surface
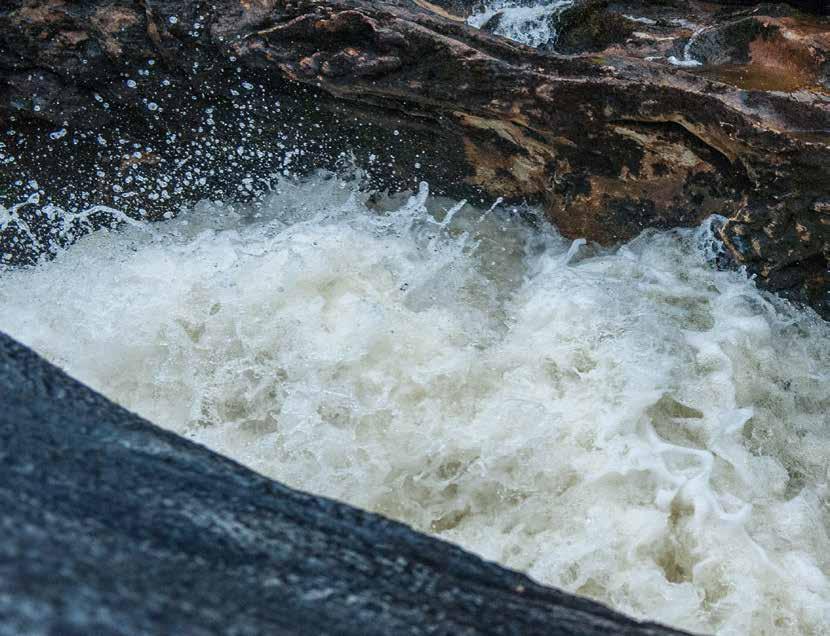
(630, 424)
(531, 23)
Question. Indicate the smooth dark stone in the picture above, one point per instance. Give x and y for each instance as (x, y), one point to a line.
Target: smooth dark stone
(111, 525)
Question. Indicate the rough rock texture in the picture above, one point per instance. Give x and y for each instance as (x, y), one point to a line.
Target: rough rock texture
(815, 6)
(113, 526)
(590, 25)
(141, 105)
(759, 48)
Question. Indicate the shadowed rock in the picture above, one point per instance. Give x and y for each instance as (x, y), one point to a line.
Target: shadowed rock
(113, 526)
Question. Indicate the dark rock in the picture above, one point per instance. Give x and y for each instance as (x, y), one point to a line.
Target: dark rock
(113, 526)
(493, 23)
(589, 26)
(459, 8)
(814, 6)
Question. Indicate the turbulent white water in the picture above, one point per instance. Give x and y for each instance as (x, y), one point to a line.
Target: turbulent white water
(688, 61)
(631, 425)
(531, 24)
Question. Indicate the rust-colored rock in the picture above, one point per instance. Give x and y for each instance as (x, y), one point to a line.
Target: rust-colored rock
(611, 141)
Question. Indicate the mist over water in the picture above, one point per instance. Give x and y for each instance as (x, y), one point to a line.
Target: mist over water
(629, 424)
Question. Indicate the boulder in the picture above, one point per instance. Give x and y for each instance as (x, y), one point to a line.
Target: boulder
(113, 526)
(111, 111)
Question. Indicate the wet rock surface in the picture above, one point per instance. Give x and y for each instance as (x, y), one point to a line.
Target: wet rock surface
(662, 114)
(113, 526)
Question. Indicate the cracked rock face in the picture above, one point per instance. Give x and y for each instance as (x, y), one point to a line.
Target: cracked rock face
(690, 109)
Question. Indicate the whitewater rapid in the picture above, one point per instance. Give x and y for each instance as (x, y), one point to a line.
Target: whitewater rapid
(531, 23)
(629, 424)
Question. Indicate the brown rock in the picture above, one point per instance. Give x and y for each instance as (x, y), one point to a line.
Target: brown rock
(610, 141)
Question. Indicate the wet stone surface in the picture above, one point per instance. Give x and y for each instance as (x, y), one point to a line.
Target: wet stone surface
(113, 526)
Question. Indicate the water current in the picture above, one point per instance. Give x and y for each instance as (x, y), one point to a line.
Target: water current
(630, 423)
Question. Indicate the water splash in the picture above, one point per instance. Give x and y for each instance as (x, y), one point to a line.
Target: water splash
(64, 226)
(529, 23)
(629, 424)
(688, 61)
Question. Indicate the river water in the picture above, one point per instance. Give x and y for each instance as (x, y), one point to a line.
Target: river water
(629, 424)
(531, 23)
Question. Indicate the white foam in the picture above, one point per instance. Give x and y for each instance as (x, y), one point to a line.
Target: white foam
(688, 61)
(685, 63)
(630, 425)
(529, 23)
